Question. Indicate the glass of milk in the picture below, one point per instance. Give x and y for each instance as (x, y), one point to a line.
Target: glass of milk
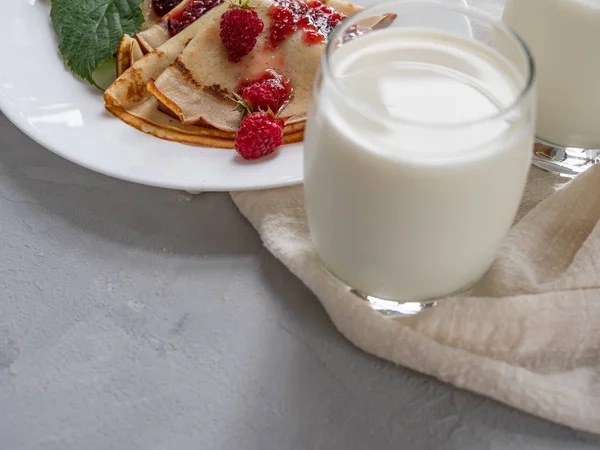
(564, 37)
(417, 149)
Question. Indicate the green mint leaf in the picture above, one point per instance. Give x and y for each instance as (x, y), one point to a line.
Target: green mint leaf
(89, 31)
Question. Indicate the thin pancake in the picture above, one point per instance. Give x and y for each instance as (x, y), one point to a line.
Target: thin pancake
(144, 111)
(123, 55)
(179, 136)
(150, 16)
(150, 111)
(129, 99)
(153, 37)
(156, 35)
(128, 53)
(130, 88)
(197, 87)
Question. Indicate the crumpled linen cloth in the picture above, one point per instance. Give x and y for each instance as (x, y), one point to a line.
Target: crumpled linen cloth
(527, 336)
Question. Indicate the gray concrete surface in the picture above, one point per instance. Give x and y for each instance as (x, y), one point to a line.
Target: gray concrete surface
(139, 318)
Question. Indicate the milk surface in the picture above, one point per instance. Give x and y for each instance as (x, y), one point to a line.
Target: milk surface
(402, 210)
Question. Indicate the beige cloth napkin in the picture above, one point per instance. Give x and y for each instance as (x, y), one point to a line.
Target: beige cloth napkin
(529, 336)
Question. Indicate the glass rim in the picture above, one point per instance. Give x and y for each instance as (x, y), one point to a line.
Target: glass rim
(365, 109)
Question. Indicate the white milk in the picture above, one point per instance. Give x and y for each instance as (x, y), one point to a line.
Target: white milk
(407, 212)
(564, 37)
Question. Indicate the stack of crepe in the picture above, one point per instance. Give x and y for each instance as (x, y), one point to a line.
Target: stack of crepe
(180, 88)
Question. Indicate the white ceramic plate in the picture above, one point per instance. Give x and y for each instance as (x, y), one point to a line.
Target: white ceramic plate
(40, 96)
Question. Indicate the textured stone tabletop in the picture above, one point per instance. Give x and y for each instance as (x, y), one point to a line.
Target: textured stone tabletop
(139, 318)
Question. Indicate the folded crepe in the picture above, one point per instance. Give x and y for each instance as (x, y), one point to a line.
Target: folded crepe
(158, 30)
(128, 99)
(150, 16)
(182, 90)
(128, 53)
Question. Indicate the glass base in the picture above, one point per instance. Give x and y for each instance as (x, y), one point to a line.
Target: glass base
(564, 161)
(392, 308)
(395, 308)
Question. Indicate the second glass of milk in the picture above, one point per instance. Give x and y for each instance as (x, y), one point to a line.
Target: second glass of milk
(564, 37)
(417, 149)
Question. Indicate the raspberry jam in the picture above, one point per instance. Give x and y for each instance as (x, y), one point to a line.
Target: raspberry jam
(162, 7)
(188, 13)
(313, 18)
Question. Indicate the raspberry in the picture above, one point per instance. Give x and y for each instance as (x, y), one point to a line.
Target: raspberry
(259, 135)
(269, 93)
(162, 7)
(239, 29)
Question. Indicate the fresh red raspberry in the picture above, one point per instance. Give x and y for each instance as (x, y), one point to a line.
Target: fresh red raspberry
(269, 93)
(259, 135)
(240, 28)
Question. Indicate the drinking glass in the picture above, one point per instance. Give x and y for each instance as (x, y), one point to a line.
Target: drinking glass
(417, 149)
(564, 38)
